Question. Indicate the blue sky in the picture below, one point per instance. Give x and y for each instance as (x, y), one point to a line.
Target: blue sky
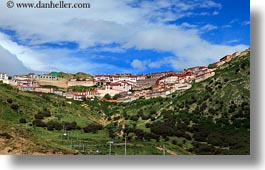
(118, 36)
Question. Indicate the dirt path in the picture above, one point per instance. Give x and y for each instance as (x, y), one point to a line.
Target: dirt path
(167, 150)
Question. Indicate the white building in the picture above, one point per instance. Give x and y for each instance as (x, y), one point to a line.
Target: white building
(4, 77)
(124, 78)
(44, 77)
(120, 86)
(102, 77)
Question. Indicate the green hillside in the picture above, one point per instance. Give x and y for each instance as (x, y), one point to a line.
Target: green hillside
(213, 117)
(79, 75)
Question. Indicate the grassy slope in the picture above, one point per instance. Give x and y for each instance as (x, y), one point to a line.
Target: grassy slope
(220, 103)
(76, 75)
(29, 104)
(19, 139)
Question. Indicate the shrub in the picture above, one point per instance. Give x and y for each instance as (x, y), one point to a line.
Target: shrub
(46, 113)
(147, 125)
(107, 96)
(134, 118)
(39, 116)
(174, 142)
(22, 120)
(38, 123)
(6, 135)
(117, 118)
(14, 106)
(116, 96)
(212, 66)
(70, 126)
(92, 128)
(53, 125)
(153, 119)
(9, 100)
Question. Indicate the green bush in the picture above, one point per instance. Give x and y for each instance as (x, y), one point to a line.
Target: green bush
(22, 120)
(14, 106)
(38, 123)
(9, 100)
(54, 125)
(212, 66)
(92, 128)
(39, 116)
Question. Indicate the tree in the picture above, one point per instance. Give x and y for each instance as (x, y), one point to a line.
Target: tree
(70, 126)
(46, 113)
(92, 128)
(51, 125)
(22, 120)
(107, 96)
(116, 96)
(38, 123)
(212, 66)
(134, 118)
(39, 116)
(14, 106)
(9, 101)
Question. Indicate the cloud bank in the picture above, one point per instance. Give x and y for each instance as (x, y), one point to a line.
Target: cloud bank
(130, 24)
(10, 64)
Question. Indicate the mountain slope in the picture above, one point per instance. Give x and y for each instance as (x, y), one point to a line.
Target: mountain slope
(213, 117)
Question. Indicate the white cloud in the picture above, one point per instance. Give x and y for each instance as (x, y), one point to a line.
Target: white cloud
(187, 25)
(245, 23)
(227, 26)
(208, 27)
(233, 41)
(210, 4)
(215, 13)
(200, 55)
(233, 21)
(18, 58)
(128, 23)
(106, 21)
(110, 49)
(27, 56)
(137, 64)
(10, 64)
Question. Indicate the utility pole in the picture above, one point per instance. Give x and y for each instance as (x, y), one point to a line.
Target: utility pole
(164, 150)
(110, 143)
(125, 146)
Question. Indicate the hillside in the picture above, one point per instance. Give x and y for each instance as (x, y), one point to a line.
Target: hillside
(79, 75)
(20, 116)
(213, 117)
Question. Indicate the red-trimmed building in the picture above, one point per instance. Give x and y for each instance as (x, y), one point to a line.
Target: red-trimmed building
(120, 86)
(76, 95)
